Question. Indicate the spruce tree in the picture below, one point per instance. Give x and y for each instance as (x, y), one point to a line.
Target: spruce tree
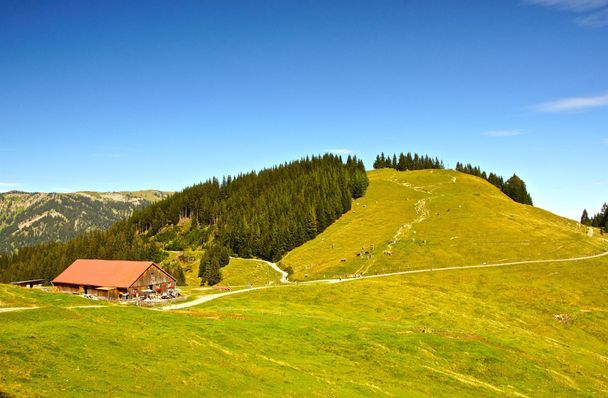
(402, 163)
(515, 188)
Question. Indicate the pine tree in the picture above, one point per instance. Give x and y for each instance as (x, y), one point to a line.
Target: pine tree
(377, 162)
(358, 184)
(402, 163)
(585, 220)
(515, 188)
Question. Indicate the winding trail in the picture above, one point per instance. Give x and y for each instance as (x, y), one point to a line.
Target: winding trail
(13, 309)
(274, 266)
(495, 265)
(204, 299)
(285, 280)
(210, 297)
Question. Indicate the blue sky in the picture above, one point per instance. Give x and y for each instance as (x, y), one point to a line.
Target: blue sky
(125, 95)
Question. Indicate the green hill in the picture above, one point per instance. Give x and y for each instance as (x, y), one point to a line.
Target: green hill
(523, 330)
(32, 218)
(243, 272)
(431, 219)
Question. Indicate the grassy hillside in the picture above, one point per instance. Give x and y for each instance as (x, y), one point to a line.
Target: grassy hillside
(435, 218)
(513, 331)
(242, 272)
(33, 218)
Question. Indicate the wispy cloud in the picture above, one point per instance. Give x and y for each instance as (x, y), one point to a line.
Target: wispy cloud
(595, 20)
(572, 104)
(571, 5)
(341, 151)
(605, 141)
(596, 11)
(503, 133)
(600, 182)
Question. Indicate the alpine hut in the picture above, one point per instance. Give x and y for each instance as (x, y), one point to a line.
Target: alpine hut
(109, 278)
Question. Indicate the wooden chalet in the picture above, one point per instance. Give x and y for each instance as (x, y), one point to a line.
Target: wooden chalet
(110, 278)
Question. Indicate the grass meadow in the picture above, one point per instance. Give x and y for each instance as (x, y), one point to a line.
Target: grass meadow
(436, 218)
(527, 330)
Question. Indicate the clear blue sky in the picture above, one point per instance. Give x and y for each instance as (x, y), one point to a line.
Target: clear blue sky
(124, 95)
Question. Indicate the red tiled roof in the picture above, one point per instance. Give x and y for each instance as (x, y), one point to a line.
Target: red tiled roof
(117, 273)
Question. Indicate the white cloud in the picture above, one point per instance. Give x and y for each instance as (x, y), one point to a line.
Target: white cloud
(503, 133)
(344, 152)
(571, 5)
(605, 141)
(572, 104)
(594, 20)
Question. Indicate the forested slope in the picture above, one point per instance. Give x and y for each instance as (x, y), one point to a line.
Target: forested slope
(259, 214)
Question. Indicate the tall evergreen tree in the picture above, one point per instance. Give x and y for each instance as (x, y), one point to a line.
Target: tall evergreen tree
(515, 188)
(377, 162)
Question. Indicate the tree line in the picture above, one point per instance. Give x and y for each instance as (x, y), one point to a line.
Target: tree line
(258, 214)
(405, 162)
(514, 187)
(598, 220)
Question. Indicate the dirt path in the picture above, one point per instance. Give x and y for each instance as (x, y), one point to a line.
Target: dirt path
(422, 212)
(418, 271)
(13, 309)
(210, 297)
(274, 266)
(87, 306)
(285, 280)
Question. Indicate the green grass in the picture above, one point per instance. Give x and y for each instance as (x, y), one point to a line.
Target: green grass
(437, 218)
(242, 272)
(482, 333)
(12, 296)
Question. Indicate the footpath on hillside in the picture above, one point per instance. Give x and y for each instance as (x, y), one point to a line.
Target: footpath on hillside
(211, 297)
(285, 281)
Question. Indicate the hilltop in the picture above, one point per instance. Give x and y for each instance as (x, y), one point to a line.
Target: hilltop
(32, 218)
(431, 219)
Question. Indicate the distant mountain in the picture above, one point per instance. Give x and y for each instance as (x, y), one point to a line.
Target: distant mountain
(32, 218)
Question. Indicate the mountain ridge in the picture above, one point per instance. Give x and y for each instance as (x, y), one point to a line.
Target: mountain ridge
(28, 218)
